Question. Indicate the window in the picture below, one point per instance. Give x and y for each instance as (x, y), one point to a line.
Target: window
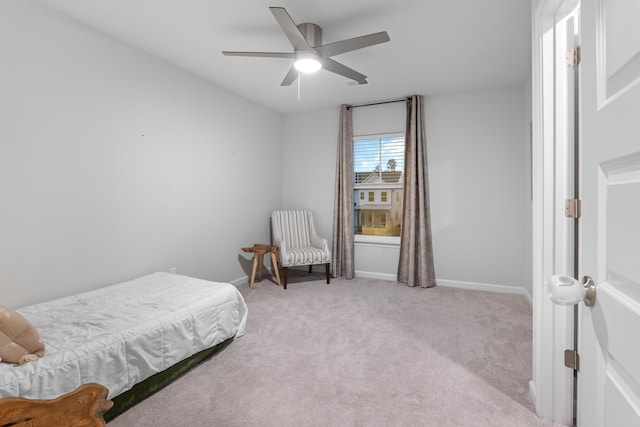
(378, 170)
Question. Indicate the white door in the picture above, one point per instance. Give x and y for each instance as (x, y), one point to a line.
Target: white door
(609, 332)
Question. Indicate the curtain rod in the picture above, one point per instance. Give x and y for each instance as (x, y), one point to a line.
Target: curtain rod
(377, 103)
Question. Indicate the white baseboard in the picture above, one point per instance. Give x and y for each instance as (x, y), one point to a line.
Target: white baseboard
(241, 281)
(456, 284)
(532, 392)
(372, 275)
(528, 296)
(244, 280)
(483, 287)
(440, 282)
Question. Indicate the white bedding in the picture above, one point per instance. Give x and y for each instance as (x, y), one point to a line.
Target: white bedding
(122, 334)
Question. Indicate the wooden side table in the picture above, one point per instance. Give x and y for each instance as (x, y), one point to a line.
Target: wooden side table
(259, 252)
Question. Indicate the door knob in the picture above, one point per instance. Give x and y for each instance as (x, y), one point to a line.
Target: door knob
(565, 290)
(589, 291)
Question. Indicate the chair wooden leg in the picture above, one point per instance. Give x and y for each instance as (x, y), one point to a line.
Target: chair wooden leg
(285, 271)
(328, 272)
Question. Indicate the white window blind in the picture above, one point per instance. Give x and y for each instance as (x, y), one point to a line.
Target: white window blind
(378, 172)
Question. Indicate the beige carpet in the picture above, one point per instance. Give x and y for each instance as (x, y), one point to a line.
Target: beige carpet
(362, 352)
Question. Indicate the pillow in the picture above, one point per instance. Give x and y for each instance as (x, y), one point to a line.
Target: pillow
(19, 339)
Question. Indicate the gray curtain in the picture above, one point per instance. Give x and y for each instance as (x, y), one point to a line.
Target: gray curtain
(415, 267)
(342, 246)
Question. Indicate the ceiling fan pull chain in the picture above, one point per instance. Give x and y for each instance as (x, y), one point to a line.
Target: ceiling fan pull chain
(299, 79)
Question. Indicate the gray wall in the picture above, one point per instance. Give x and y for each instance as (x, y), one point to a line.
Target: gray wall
(309, 165)
(477, 155)
(114, 164)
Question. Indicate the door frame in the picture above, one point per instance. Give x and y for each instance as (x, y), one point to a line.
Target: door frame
(552, 385)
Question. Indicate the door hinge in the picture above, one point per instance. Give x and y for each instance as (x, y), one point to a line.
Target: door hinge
(573, 208)
(572, 359)
(572, 57)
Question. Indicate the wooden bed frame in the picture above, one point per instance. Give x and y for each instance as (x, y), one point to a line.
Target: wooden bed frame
(87, 406)
(45, 395)
(83, 407)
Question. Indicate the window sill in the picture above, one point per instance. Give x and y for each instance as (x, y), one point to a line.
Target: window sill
(366, 240)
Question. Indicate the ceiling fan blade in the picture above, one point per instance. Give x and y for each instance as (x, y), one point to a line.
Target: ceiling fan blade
(290, 29)
(291, 77)
(260, 54)
(355, 43)
(343, 70)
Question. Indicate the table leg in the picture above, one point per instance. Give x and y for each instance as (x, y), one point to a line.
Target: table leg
(261, 264)
(274, 263)
(253, 273)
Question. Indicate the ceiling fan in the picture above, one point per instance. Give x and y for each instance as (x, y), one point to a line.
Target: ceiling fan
(309, 52)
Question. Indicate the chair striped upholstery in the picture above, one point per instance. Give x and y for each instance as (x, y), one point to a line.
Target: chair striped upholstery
(295, 235)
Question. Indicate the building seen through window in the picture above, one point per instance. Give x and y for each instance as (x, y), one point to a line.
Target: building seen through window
(378, 173)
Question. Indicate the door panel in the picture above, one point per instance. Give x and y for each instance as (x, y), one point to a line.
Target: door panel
(609, 379)
(619, 412)
(623, 230)
(619, 40)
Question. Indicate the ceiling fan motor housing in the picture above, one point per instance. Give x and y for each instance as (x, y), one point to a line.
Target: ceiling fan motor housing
(312, 33)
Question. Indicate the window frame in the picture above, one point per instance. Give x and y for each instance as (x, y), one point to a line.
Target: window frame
(367, 239)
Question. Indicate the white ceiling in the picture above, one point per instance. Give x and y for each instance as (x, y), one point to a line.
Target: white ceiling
(437, 46)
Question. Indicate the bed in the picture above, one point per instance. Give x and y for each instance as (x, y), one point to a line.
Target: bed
(132, 337)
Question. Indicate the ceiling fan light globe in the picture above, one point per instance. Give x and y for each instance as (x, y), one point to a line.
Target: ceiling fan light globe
(307, 65)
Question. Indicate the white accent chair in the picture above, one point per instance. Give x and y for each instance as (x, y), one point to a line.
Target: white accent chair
(298, 244)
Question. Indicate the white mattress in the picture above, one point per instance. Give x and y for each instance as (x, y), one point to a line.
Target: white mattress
(122, 334)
